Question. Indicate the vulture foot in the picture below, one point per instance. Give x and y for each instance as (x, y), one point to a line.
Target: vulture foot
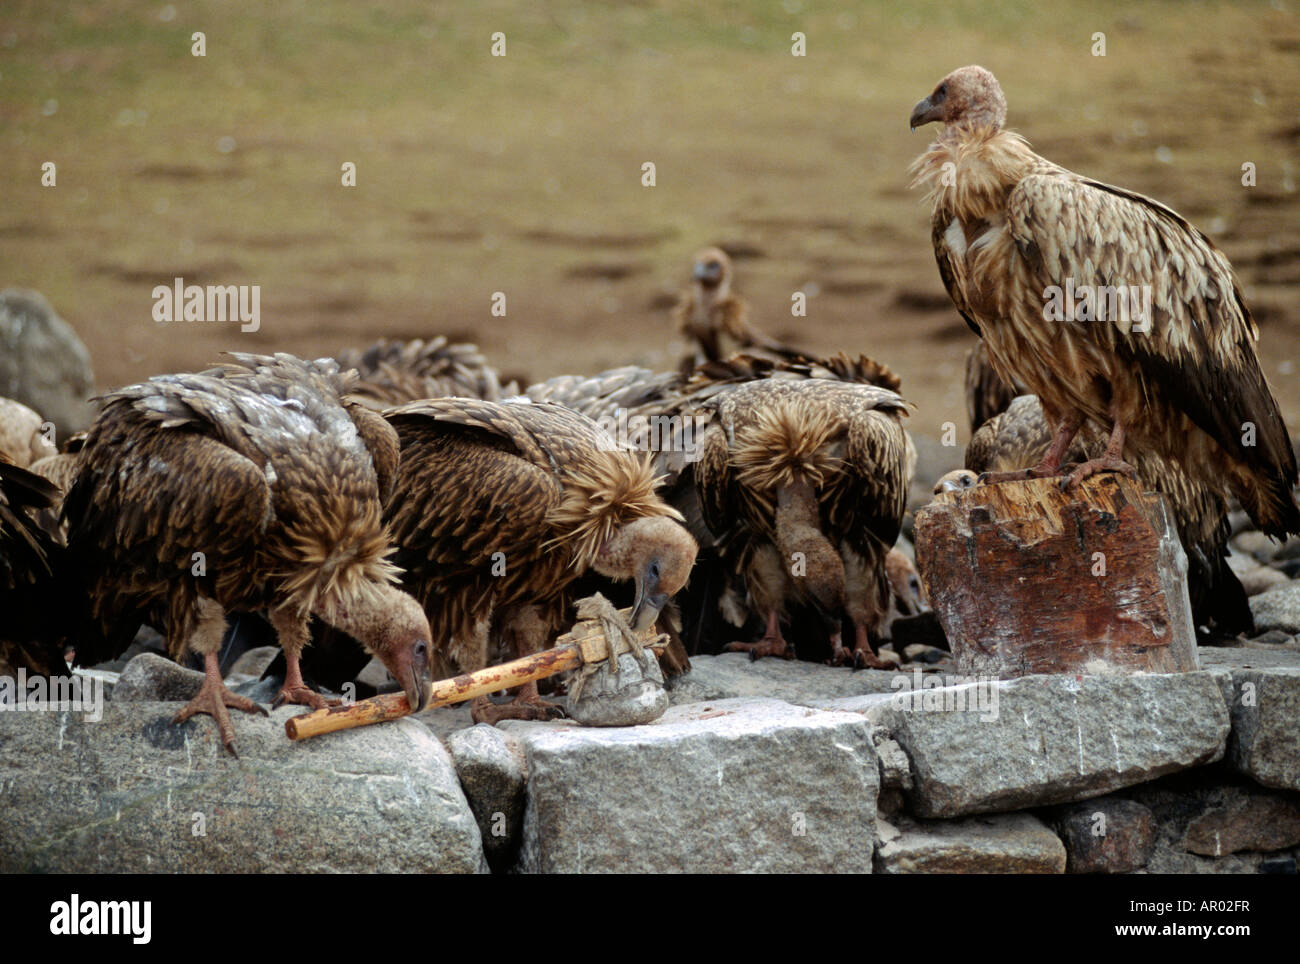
(1093, 467)
(302, 695)
(213, 698)
(841, 655)
(483, 710)
(866, 659)
(767, 646)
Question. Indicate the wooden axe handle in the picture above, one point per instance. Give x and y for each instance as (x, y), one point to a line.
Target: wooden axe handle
(585, 643)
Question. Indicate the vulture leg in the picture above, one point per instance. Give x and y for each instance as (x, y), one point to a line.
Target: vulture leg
(863, 656)
(293, 635)
(772, 643)
(1050, 464)
(840, 654)
(1111, 460)
(213, 696)
(526, 632)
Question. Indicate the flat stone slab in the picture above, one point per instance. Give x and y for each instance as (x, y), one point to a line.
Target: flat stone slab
(1262, 691)
(736, 676)
(1005, 745)
(132, 793)
(718, 787)
(1012, 843)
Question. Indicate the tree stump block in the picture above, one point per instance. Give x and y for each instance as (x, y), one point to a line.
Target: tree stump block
(1028, 579)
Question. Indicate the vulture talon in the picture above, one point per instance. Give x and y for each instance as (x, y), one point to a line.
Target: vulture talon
(767, 646)
(1095, 466)
(212, 698)
(302, 695)
(865, 659)
(840, 656)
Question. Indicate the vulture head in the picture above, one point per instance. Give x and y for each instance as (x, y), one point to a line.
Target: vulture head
(904, 583)
(968, 97)
(956, 481)
(657, 553)
(712, 272)
(391, 626)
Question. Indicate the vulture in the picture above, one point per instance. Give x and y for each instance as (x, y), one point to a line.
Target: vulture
(715, 321)
(797, 483)
(392, 373)
(28, 554)
(1018, 438)
(1108, 306)
(252, 486)
(500, 509)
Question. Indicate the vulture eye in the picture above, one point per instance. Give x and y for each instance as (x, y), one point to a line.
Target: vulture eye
(654, 569)
(940, 94)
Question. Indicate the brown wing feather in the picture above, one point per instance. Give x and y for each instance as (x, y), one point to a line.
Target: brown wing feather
(1199, 357)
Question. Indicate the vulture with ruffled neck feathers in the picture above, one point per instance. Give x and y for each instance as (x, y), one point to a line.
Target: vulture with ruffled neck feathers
(1158, 349)
(252, 486)
(499, 510)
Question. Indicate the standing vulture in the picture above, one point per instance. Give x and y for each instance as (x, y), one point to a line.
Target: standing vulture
(803, 457)
(714, 320)
(247, 487)
(1018, 438)
(1107, 305)
(500, 508)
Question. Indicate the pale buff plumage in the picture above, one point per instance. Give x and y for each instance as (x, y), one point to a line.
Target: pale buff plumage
(1008, 224)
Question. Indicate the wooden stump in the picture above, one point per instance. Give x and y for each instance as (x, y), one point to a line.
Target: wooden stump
(1028, 579)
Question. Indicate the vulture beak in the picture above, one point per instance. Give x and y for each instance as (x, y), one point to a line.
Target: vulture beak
(649, 600)
(709, 272)
(411, 668)
(924, 113)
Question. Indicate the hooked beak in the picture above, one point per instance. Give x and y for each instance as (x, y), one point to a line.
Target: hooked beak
(411, 669)
(649, 600)
(924, 113)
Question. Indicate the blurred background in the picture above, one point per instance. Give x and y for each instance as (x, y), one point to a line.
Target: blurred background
(522, 173)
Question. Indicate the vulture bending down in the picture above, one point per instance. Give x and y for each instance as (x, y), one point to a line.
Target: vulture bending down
(500, 508)
(1018, 438)
(1107, 305)
(714, 320)
(395, 372)
(247, 487)
(804, 484)
(819, 440)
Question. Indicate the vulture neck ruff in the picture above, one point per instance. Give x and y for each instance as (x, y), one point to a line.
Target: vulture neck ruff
(968, 172)
(599, 498)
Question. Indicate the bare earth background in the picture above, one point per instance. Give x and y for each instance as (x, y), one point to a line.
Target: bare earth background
(522, 174)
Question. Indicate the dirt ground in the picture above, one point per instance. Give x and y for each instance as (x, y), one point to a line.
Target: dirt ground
(523, 174)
